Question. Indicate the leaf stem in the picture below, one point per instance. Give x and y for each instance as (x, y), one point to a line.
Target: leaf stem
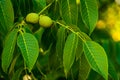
(45, 8)
(77, 33)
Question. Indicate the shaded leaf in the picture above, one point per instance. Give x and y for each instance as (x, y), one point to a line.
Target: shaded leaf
(8, 49)
(84, 68)
(69, 11)
(54, 59)
(38, 34)
(112, 71)
(89, 13)
(38, 5)
(69, 52)
(79, 50)
(6, 16)
(13, 63)
(54, 10)
(118, 52)
(61, 36)
(29, 47)
(26, 6)
(96, 57)
(17, 74)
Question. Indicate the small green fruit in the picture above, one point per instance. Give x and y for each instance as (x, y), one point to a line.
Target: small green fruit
(32, 18)
(27, 77)
(45, 21)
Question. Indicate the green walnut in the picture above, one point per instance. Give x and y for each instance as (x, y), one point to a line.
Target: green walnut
(32, 18)
(27, 77)
(45, 21)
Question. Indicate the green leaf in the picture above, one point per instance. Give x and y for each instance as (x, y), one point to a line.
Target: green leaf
(6, 16)
(79, 49)
(89, 13)
(42, 2)
(54, 61)
(17, 74)
(84, 68)
(117, 44)
(74, 29)
(38, 34)
(8, 49)
(13, 63)
(61, 36)
(69, 11)
(96, 57)
(69, 52)
(81, 24)
(38, 4)
(112, 71)
(25, 6)
(54, 10)
(29, 47)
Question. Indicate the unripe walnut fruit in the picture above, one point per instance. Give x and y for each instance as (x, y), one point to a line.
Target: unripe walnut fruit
(45, 21)
(32, 18)
(27, 77)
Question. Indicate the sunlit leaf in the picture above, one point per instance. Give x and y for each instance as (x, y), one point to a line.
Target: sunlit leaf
(30, 49)
(96, 57)
(69, 52)
(69, 11)
(89, 13)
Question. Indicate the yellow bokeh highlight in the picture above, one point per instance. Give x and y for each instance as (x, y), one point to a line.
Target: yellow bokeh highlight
(111, 21)
(100, 24)
(115, 34)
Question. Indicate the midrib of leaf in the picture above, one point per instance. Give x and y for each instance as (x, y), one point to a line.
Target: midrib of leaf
(25, 45)
(73, 46)
(12, 44)
(93, 58)
(8, 49)
(75, 32)
(87, 12)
